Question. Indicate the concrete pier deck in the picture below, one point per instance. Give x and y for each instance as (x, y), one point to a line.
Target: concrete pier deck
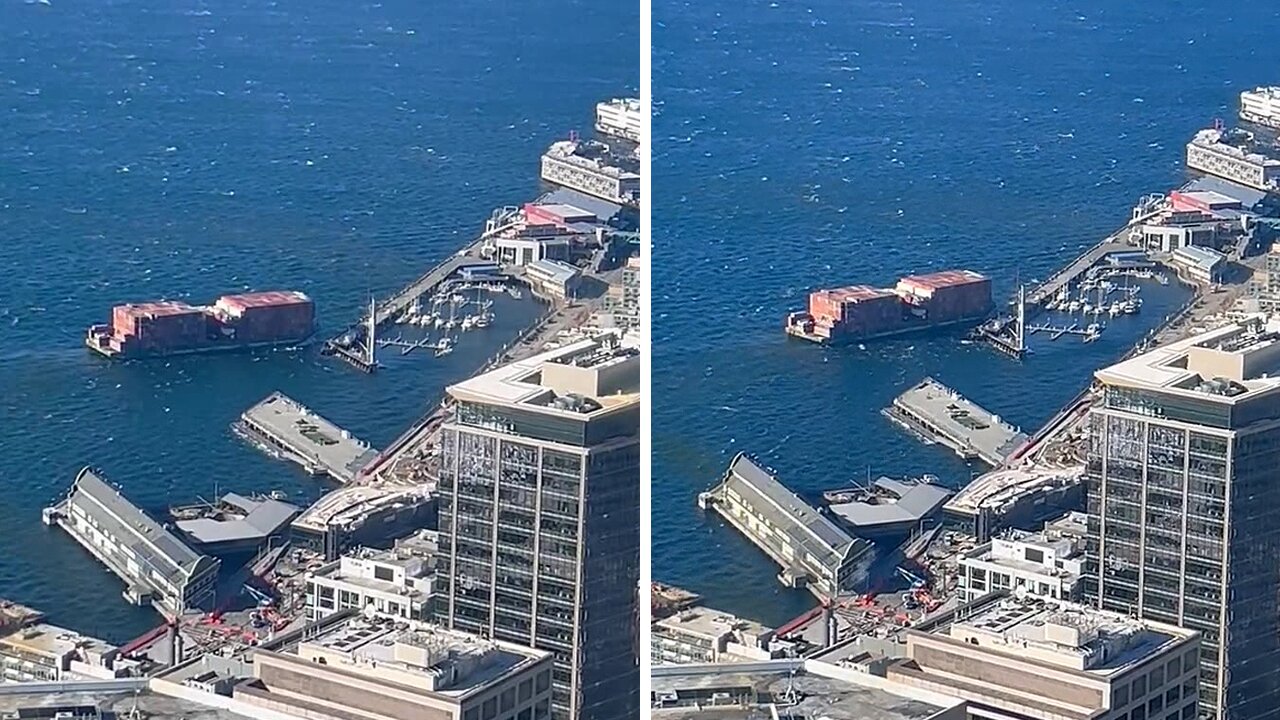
(285, 428)
(937, 413)
(1078, 267)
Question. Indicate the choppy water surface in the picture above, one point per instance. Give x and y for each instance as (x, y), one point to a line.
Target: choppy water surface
(807, 144)
(186, 149)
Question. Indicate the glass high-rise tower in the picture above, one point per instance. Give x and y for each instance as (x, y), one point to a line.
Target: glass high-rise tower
(540, 518)
(1184, 506)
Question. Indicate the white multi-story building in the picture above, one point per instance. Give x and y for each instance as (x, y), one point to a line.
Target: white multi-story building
(1233, 156)
(1261, 105)
(619, 117)
(585, 167)
(1045, 564)
(1037, 659)
(395, 582)
(366, 665)
(40, 652)
(702, 635)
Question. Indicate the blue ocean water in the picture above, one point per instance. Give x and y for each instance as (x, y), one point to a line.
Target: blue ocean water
(817, 143)
(154, 148)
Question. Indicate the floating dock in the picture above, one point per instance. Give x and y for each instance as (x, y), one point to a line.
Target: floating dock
(939, 414)
(286, 429)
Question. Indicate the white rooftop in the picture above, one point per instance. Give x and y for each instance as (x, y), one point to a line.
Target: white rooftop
(526, 382)
(999, 488)
(710, 623)
(349, 504)
(1228, 364)
(1009, 550)
(1204, 257)
(416, 654)
(1072, 636)
(53, 641)
(1218, 142)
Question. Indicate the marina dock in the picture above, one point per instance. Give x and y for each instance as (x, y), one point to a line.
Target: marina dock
(939, 414)
(1069, 274)
(1116, 242)
(284, 428)
(356, 344)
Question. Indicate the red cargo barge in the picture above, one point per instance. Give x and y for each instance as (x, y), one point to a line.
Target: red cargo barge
(260, 319)
(918, 302)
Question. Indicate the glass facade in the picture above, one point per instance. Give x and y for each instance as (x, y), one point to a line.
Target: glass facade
(1183, 500)
(539, 530)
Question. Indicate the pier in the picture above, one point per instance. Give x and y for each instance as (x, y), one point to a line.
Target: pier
(156, 567)
(1077, 267)
(936, 413)
(357, 344)
(1116, 242)
(811, 550)
(286, 429)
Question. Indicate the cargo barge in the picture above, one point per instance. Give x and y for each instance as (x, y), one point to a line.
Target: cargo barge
(917, 302)
(167, 327)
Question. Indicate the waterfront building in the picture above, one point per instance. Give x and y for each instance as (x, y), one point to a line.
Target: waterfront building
(393, 582)
(1184, 509)
(372, 513)
(812, 550)
(704, 635)
(888, 510)
(34, 651)
(1020, 496)
(1046, 564)
(366, 665)
(619, 117)
(1235, 156)
(590, 168)
(235, 524)
(521, 247)
(1200, 265)
(539, 518)
(1261, 105)
(1029, 658)
(156, 566)
(553, 279)
(1177, 228)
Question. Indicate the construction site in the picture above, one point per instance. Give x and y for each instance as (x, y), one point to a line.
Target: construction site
(870, 590)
